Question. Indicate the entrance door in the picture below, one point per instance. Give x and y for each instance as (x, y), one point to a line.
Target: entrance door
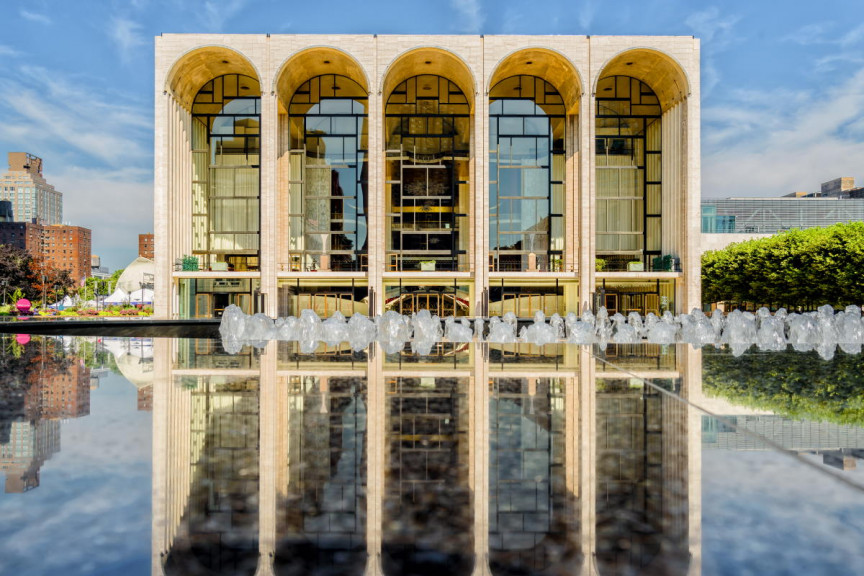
(203, 306)
(220, 302)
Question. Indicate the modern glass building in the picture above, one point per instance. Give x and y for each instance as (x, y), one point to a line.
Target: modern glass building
(773, 215)
(469, 175)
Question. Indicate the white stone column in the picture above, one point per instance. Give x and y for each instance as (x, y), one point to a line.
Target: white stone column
(161, 210)
(376, 219)
(586, 195)
(269, 238)
(479, 220)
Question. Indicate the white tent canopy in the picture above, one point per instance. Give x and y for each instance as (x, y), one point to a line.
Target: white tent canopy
(142, 296)
(65, 303)
(137, 272)
(118, 297)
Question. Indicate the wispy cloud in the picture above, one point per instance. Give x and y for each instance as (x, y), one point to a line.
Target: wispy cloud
(825, 33)
(45, 107)
(775, 142)
(716, 32)
(586, 13)
(216, 13)
(470, 16)
(34, 16)
(7, 51)
(714, 28)
(126, 34)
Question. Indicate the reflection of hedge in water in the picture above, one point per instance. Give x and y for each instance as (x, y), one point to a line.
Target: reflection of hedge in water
(799, 385)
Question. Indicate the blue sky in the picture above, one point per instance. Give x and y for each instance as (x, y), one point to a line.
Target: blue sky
(782, 83)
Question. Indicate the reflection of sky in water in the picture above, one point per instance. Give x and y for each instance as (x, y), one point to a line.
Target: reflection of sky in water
(765, 513)
(91, 511)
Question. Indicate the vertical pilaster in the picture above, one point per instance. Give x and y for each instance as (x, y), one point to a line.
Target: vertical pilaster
(269, 246)
(376, 219)
(586, 195)
(161, 226)
(480, 185)
(692, 227)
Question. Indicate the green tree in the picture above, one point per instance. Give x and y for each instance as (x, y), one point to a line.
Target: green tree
(795, 268)
(49, 281)
(15, 270)
(103, 286)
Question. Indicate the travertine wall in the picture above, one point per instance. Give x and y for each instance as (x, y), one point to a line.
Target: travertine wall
(574, 64)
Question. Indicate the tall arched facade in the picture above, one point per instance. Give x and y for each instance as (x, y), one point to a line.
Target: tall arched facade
(470, 175)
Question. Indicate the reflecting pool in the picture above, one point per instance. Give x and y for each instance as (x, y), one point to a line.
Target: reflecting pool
(179, 458)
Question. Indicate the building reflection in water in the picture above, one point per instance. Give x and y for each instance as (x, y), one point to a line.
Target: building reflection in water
(509, 460)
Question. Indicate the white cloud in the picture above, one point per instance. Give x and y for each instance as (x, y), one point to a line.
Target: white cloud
(7, 51)
(126, 34)
(777, 142)
(44, 108)
(716, 33)
(470, 16)
(34, 16)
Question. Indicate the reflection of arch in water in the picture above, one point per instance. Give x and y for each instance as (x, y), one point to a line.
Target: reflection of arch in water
(218, 531)
(428, 521)
(322, 517)
(533, 519)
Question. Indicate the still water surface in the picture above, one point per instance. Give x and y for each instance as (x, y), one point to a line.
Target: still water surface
(169, 456)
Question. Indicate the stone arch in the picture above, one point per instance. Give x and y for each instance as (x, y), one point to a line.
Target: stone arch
(432, 61)
(316, 61)
(659, 70)
(544, 63)
(195, 68)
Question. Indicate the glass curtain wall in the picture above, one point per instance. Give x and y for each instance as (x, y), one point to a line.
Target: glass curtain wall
(628, 181)
(226, 185)
(526, 175)
(427, 196)
(328, 199)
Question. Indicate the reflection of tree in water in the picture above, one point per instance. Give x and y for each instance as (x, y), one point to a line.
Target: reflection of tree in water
(797, 385)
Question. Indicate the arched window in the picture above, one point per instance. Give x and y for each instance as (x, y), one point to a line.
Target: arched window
(526, 175)
(628, 160)
(328, 198)
(226, 190)
(427, 199)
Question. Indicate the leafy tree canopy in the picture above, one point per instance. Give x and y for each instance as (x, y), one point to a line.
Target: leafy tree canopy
(794, 268)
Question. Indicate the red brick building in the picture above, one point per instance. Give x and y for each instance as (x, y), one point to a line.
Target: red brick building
(65, 247)
(145, 246)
